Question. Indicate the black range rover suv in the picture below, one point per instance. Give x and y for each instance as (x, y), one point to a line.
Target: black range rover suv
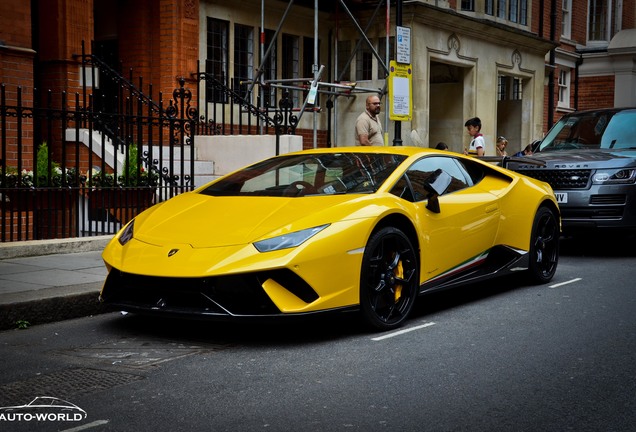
(589, 159)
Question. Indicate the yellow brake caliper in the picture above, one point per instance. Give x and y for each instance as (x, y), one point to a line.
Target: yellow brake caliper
(398, 272)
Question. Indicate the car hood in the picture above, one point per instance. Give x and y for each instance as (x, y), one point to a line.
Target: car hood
(210, 221)
(582, 159)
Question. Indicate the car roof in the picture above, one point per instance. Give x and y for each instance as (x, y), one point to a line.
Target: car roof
(399, 150)
(601, 110)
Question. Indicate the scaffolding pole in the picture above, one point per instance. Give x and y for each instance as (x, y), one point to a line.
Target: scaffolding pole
(335, 89)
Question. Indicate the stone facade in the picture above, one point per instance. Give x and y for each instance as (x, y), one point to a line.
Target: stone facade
(458, 58)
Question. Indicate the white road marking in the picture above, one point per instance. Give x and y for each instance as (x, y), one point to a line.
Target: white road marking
(565, 283)
(87, 426)
(400, 332)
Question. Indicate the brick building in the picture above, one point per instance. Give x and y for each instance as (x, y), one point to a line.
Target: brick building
(595, 62)
(587, 52)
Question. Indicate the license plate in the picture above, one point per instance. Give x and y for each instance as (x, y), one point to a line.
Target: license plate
(561, 197)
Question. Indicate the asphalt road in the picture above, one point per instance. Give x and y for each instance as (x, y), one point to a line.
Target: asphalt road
(506, 357)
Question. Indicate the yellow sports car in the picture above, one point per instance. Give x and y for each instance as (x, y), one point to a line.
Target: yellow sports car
(365, 228)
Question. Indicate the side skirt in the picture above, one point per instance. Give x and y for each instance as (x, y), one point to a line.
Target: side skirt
(495, 262)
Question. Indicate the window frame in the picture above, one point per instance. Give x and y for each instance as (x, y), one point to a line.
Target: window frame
(364, 62)
(566, 18)
(217, 59)
(467, 5)
(290, 54)
(563, 84)
(344, 49)
(270, 69)
(243, 59)
(599, 36)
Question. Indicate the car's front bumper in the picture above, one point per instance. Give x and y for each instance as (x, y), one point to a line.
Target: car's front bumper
(600, 206)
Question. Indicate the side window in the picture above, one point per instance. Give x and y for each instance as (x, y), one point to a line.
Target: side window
(421, 170)
(403, 189)
(474, 170)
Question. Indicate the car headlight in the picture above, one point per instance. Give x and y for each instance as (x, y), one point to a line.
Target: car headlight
(127, 233)
(289, 240)
(616, 176)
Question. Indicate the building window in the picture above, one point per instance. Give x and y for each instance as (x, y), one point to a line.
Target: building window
(269, 69)
(217, 57)
(468, 5)
(617, 19)
(382, 53)
(291, 65)
(597, 24)
(509, 88)
(489, 7)
(243, 58)
(502, 8)
(308, 57)
(515, 11)
(523, 12)
(564, 88)
(344, 53)
(364, 63)
(566, 18)
(517, 89)
(502, 94)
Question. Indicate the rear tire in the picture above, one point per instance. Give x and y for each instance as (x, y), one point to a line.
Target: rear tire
(544, 245)
(389, 279)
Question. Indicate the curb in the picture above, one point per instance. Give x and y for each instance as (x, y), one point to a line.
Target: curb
(49, 247)
(52, 309)
(55, 303)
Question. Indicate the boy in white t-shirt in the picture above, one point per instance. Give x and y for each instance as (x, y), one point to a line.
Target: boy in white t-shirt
(477, 144)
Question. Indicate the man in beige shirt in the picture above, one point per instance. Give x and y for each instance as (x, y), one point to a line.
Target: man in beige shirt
(368, 127)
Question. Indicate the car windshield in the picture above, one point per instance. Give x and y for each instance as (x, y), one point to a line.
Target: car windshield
(593, 130)
(309, 174)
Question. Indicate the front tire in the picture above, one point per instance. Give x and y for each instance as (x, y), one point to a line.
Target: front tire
(389, 279)
(544, 245)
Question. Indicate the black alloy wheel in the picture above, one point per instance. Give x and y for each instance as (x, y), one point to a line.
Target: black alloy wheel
(544, 245)
(389, 279)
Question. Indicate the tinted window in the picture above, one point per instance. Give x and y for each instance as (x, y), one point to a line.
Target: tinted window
(309, 174)
(621, 131)
(421, 170)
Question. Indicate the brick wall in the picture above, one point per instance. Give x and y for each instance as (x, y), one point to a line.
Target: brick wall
(60, 41)
(596, 92)
(579, 22)
(159, 40)
(629, 14)
(16, 69)
(179, 24)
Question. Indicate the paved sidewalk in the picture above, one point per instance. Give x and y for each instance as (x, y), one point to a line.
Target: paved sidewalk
(50, 280)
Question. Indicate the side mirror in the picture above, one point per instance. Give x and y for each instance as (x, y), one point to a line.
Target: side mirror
(436, 185)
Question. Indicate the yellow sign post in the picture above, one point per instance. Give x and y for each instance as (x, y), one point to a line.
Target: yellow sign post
(400, 94)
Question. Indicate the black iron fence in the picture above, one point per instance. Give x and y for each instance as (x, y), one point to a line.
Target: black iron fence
(85, 164)
(71, 170)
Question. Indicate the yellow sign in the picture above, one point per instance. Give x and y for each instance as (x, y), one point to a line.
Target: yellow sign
(400, 94)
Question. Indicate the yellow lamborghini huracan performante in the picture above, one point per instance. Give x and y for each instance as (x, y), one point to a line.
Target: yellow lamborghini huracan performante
(366, 228)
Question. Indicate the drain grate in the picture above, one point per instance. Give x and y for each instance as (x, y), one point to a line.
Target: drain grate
(64, 385)
(138, 354)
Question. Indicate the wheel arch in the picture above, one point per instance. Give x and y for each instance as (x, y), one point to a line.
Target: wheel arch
(553, 207)
(405, 225)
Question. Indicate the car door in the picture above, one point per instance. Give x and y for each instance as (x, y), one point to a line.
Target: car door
(467, 223)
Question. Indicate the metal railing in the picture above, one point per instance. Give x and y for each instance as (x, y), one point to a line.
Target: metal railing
(85, 164)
